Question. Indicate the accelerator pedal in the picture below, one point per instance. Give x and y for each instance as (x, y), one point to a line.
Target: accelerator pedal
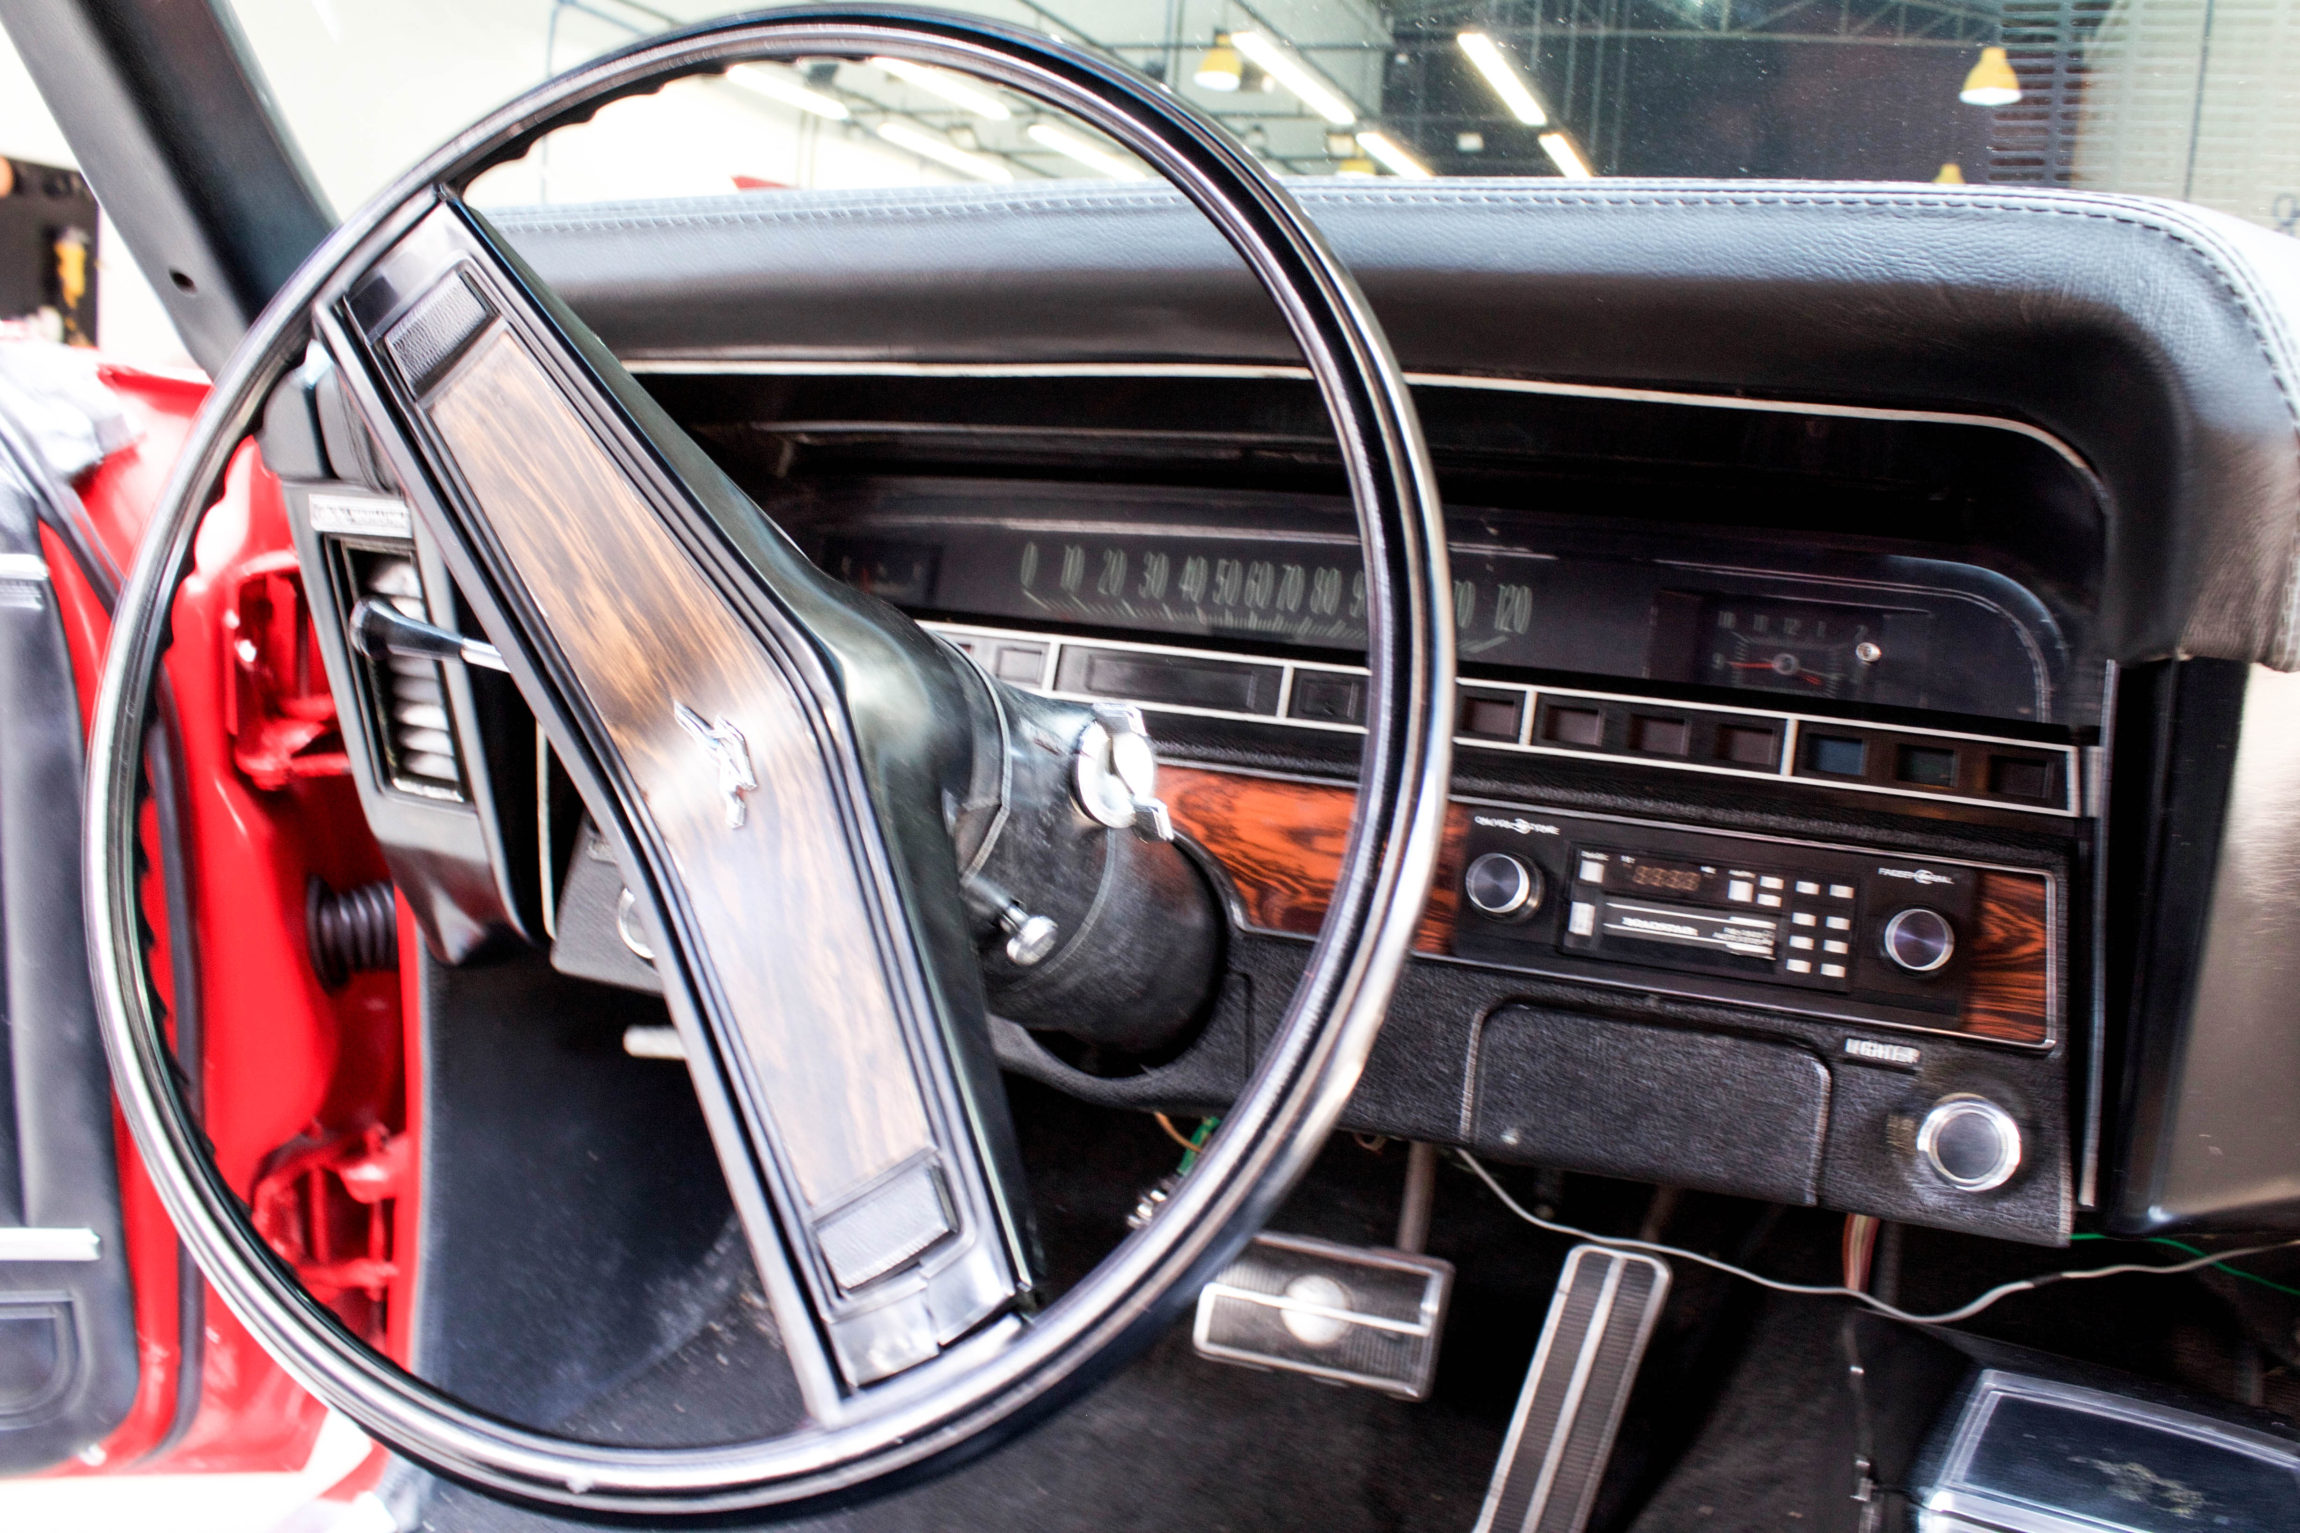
(1344, 1314)
(1599, 1321)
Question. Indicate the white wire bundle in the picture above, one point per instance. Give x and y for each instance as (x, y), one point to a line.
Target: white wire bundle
(1836, 1291)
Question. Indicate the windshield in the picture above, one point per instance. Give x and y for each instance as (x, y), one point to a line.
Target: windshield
(2176, 98)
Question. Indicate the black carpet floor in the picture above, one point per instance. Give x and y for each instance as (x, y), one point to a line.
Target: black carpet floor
(1743, 1418)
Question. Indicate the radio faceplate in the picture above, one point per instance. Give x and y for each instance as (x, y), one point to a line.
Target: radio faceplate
(1279, 839)
(1876, 935)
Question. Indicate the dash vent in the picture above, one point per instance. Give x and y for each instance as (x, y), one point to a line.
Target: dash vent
(409, 696)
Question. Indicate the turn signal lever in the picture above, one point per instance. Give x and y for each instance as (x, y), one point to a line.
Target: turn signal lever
(379, 629)
(1088, 918)
(1092, 921)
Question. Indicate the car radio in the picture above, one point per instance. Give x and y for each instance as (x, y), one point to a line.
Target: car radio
(1829, 929)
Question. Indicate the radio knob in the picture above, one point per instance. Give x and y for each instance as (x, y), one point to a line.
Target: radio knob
(1920, 940)
(1970, 1142)
(1503, 887)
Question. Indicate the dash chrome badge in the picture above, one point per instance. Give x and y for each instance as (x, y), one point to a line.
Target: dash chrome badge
(723, 743)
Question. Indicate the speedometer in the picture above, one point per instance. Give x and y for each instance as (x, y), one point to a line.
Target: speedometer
(1268, 571)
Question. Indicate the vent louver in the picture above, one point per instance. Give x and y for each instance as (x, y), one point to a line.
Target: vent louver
(410, 696)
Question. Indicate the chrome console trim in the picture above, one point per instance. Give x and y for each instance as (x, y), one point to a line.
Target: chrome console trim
(2201, 1458)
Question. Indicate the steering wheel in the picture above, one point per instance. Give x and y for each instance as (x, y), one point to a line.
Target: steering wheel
(770, 756)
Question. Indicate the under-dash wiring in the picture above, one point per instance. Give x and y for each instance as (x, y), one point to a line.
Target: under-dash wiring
(1838, 1291)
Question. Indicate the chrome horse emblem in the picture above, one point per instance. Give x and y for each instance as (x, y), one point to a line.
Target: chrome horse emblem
(723, 743)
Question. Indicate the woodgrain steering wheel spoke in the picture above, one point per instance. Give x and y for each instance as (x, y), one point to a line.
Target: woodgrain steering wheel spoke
(768, 753)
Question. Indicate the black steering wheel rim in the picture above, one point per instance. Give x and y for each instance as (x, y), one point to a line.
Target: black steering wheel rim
(1007, 1375)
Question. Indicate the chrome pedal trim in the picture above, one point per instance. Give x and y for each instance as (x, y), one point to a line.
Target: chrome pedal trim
(1344, 1314)
(1562, 1433)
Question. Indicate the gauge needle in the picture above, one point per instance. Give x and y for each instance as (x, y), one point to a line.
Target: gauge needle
(1766, 665)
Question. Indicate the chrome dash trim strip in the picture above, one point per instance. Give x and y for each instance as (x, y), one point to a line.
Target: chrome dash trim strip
(2069, 805)
(801, 367)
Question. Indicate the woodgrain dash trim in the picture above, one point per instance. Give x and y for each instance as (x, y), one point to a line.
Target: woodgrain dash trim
(1281, 843)
(2005, 991)
(786, 928)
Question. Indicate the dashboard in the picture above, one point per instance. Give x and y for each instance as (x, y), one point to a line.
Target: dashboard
(1774, 740)
(1779, 833)
(1777, 836)
(1845, 784)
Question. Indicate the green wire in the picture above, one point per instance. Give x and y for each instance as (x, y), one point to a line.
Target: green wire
(1197, 1143)
(2182, 1245)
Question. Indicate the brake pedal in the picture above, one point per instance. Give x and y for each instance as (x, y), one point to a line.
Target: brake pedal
(1599, 1322)
(1344, 1314)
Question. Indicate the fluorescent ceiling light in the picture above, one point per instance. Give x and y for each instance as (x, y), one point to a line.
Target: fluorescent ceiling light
(1387, 150)
(781, 85)
(1502, 75)
(1281, 65)
(933, 146)
(948, 86)
(1085, 151)
(1565, 157)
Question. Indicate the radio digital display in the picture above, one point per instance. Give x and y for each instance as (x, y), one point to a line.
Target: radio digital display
(1676, 878)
